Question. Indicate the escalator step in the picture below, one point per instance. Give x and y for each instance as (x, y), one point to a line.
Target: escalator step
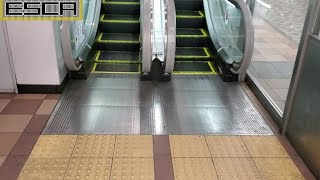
(111, 23)
(190, 14)
(117, 57)
(190, 19)
(116, 18)
(187, 32)
(203, 67)
(119, 38)
(192, 54)
(192, 37)
(189, 4)
(116, 68)
(119, 42)
(121, 6)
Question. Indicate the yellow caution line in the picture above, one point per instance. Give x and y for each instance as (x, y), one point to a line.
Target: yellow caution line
(104, 72)
(188, 16)
(116, 41)
(203, 35)
(118, 21)
(190, 57)
(117, 61)
(212, 72)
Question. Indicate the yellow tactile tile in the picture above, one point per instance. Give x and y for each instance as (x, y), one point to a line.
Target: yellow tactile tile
(227, 146)
(132, 168)
(194, 168)
(264, 146)
(44, 168)
(277, 168)
(54, 146)
(188, 146)
(94, 146)
(133, 146)
(89, 168)
(236, 168)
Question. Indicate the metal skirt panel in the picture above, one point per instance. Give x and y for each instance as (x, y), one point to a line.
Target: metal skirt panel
(122, 104)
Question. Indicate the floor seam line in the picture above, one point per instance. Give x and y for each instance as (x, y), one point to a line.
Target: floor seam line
(251, 157)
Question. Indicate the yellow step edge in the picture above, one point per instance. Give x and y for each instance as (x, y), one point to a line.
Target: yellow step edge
(104, 72)
(208, 55)
(204, 34)
(119, 21)
(191, 17)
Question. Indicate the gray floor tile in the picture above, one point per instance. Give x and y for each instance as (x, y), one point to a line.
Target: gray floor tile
(278, 83)
(282, 93)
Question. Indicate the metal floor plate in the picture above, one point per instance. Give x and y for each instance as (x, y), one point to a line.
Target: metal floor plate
(122, 104)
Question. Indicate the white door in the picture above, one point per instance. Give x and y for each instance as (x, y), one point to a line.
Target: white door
(7, 82)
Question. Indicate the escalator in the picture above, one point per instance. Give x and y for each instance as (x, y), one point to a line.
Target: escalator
(194, 46)
(118, 41)
(189, 37)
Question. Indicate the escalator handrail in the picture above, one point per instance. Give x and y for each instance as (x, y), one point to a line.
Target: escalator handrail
(146, 24)
(249, 35)
(75, 64)
(70, 62)
(170, 35)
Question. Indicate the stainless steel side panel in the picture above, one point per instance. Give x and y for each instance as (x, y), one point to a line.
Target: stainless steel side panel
(303, 127)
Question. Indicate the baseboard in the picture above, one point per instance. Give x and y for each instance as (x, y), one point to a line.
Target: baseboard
(43, 89)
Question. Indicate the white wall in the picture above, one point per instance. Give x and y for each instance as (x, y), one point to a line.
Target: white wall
(36, 56)
(6, 78)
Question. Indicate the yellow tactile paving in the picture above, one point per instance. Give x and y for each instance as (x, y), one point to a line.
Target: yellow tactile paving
(236, 168)
(94, 146)
(133, 146)
(194, 168)
(44, 168)
(54, 146)
(227, 146)
(189, 146)
(89, 168)
(132, 168)
(277, 168)
(264, 146)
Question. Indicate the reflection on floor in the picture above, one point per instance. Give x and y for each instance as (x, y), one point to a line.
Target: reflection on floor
(158, 157)
(278, 30)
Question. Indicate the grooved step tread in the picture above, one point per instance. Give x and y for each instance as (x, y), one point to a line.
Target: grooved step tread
(200, 67)
(192, 52)
(116, 68)
(118, 38)
(190, 14)
(117, 57)
(115, 18)
(189, 32)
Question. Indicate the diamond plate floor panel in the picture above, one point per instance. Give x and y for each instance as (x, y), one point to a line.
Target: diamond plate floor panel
(122, 104)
